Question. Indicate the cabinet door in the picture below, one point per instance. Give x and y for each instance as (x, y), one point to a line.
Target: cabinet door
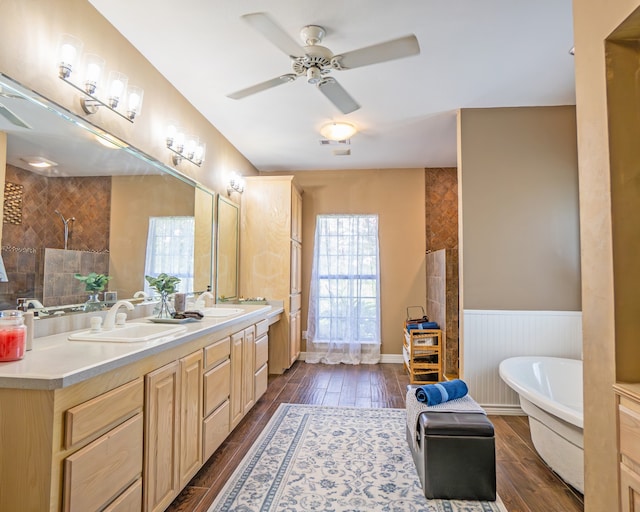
(296, 215)
(161, 445)
(236, 408)
(248, 369)
(296, 269)
(294, 336)
(190, 416)
(629, 490)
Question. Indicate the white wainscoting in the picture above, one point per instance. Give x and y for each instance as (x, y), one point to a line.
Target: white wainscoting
(491, 336)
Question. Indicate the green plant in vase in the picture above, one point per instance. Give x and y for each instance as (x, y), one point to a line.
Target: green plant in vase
(93, 284)
(165, 285)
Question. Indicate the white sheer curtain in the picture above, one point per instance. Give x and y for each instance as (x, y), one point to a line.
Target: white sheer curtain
(170, 249)
(344, 297)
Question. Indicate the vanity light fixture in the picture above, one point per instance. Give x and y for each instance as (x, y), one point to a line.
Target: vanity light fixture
(236, 184)
(91, 73)
(337, 131)
(184, 147)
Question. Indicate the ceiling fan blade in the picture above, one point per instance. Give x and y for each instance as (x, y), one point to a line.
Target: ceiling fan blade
(338, 96)
(13, 118)
(282, 79)
(263, 23)
(382, 52)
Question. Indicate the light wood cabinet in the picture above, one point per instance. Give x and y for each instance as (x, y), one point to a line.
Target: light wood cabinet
(629, 447)
(162, 442)
(271, 255)
(173, 423)
(190, 416)
(242, 374)
(129, 438)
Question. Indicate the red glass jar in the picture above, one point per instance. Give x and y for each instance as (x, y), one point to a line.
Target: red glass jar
(13, 334)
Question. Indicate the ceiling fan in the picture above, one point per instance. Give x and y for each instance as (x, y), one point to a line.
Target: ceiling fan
(316, 62)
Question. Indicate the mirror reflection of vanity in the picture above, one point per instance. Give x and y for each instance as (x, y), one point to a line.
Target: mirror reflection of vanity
(99, 199)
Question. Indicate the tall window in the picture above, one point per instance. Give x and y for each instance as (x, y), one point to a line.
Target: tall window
(170, 249)
(344, 298)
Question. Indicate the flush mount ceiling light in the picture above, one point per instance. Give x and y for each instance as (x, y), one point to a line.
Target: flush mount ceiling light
(38, 162)
(337, 131)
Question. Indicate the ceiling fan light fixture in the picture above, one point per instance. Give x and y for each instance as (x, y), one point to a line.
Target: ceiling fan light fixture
(338, 131)
(314, 75)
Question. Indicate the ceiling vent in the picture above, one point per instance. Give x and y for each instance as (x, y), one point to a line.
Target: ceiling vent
(341, 152)
(327, 142)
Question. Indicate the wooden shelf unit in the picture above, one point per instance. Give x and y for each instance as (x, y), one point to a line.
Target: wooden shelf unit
(422, 355)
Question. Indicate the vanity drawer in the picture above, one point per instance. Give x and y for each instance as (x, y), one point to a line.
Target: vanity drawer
(262, 351)
(262, 327)
(216, 352)
(261, 381)
(96, 474)
(217, 386)
(129, 501)
(103, 412)
(216, 430)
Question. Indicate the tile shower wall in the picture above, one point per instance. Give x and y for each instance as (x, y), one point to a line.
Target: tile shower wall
(30, 225)
(441, 220)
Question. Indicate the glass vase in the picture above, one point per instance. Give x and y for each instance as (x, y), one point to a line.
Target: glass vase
(93, 303)
(164, 308)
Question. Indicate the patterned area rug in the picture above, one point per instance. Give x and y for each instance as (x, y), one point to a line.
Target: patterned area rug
(333, 459)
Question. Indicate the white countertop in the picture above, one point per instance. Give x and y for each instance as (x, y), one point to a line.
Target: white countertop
(55, 362)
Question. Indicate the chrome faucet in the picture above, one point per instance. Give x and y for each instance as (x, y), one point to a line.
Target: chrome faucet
(110, 319)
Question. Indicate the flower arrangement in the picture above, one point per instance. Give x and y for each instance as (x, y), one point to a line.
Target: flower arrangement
(164, 283)
(93, 282)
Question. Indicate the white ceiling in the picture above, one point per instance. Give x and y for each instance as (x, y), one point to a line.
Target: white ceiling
(474, 54)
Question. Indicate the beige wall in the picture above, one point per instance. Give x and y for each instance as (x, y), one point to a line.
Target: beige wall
(131, 207)
(519, 217)
(30, 31)
(398, 197)
(594, 21)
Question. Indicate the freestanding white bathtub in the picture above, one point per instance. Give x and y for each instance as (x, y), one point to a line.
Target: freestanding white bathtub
(550, 391)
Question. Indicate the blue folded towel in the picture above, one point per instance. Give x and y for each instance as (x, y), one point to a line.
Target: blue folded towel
(423, 325)
(434, 394)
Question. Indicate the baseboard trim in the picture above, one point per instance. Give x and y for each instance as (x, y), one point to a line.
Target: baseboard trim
(503, 410)
(384, 358)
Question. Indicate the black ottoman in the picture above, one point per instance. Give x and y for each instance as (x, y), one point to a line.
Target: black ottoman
(455, 455)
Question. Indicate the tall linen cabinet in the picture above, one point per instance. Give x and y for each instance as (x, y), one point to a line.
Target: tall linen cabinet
(270, 258)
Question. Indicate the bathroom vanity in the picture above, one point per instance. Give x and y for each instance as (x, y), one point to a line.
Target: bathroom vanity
(89, 425)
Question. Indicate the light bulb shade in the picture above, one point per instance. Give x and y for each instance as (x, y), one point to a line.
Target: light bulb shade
(337, 131)
(69, 50)
(198, 156)
(190, 146)
(134, 101)
(179, 142)
(93, 67)
(116, 88)
(172, 131)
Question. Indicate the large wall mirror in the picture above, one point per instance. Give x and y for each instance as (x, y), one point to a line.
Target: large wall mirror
(228, 240)
(96, 209)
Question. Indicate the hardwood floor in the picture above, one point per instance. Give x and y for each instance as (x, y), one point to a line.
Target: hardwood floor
(524, 482)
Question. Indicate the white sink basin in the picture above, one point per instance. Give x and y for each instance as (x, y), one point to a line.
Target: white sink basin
(130, 333)
(217, 312)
